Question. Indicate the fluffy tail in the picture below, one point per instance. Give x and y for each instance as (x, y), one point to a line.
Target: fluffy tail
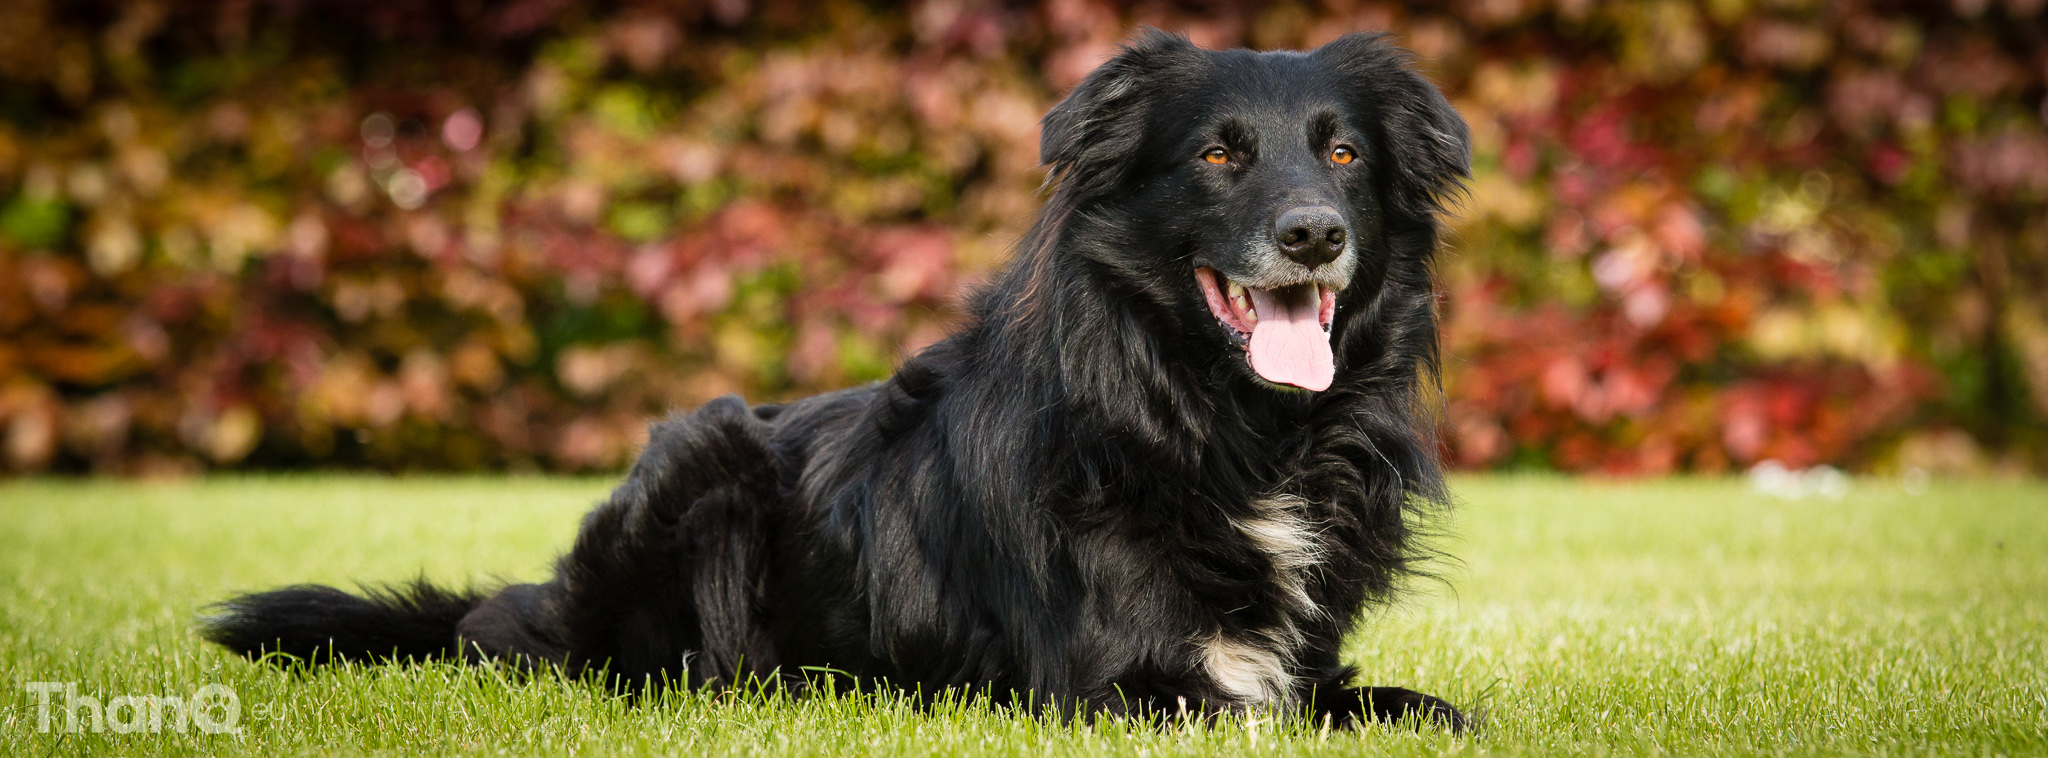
(321, 624)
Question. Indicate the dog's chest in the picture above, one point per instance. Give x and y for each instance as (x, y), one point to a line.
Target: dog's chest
(1256, 665)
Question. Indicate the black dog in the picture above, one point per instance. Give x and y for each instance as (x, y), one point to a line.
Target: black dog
(1177, 447)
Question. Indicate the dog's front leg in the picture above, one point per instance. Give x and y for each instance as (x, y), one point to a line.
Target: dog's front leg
(1349, 707)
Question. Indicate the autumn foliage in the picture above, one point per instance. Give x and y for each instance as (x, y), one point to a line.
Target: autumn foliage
(262, 233)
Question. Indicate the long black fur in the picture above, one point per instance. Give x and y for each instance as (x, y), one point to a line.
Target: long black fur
(402, 623)
(1055, 499)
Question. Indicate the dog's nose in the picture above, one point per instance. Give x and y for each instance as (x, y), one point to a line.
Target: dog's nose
(1312, 235)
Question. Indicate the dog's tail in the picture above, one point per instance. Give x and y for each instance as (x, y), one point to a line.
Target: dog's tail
(415, 621)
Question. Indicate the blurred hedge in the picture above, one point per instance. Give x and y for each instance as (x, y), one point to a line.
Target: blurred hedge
(276, 233)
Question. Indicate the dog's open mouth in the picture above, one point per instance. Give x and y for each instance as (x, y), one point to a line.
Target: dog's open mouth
(1285, 331)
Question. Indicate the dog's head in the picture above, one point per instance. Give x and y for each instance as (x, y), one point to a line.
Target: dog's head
(1262, 199)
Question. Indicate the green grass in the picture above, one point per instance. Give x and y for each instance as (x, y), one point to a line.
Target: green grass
(1680, 617)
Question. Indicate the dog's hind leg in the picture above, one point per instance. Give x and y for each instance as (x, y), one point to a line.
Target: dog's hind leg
(520, 624)
(666, 580)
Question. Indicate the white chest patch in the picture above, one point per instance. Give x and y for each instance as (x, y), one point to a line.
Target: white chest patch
(1280, 530)
(1250, 673)
(1256, 667)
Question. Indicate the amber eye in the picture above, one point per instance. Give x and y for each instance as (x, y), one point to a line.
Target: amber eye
(1342, 155)
(1216, 155)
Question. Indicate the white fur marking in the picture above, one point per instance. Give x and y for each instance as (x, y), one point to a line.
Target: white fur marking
(1279, 531)
(1257, 671)
(1284, 536)
(1247, 672)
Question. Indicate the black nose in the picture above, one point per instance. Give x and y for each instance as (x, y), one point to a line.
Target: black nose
(1312, 235)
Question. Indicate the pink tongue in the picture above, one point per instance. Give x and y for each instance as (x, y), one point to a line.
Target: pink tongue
(1288, 344)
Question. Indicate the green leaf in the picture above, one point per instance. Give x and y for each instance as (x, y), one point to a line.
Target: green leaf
(39, 224)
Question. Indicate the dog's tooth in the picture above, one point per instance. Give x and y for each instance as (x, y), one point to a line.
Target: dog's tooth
(1243, 301)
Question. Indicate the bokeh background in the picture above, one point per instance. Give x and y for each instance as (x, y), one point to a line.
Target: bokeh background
(489, 234)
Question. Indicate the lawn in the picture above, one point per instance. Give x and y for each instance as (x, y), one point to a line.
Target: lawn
(1686, 617)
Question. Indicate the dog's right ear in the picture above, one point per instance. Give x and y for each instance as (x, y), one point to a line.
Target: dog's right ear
(1086, 140)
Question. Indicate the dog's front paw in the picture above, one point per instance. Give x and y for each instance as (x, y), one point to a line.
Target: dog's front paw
(1392, 704)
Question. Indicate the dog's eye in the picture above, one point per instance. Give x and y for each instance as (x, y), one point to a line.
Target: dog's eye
(1217, 155)
(1342, 155)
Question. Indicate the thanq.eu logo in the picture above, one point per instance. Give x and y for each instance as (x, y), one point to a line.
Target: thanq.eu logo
(214, 709)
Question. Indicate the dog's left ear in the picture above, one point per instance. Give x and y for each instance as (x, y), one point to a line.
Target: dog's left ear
(1088, 137)
(1421, 135)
